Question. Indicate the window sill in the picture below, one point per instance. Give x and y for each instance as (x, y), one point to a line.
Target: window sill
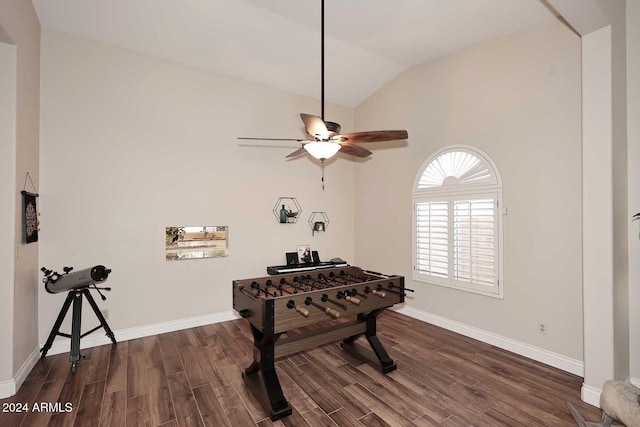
(489, 293)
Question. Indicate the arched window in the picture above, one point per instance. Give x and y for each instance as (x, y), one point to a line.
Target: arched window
(457, 199)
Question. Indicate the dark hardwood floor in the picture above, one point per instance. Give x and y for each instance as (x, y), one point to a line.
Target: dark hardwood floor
(193, 377)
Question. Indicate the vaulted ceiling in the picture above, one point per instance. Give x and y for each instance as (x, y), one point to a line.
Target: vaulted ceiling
(277, 42)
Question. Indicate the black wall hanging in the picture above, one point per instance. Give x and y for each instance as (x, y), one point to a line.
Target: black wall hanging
(29, 212)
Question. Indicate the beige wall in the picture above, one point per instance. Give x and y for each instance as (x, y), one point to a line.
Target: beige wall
(518, 99)
(621, 217)
(20, 24)
(7, 191)
(132, 144)
(633, 135)
(597, 212)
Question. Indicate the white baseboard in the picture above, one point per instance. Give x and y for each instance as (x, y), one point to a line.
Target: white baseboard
(99, 338)
(547, 357)
(590, 395)
(7, 388)
(10, 387)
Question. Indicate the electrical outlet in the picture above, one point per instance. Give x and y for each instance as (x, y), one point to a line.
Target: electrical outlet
(105, 313)
(542, 328)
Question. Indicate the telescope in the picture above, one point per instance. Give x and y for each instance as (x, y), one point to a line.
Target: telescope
(78, 285)
(55, 282)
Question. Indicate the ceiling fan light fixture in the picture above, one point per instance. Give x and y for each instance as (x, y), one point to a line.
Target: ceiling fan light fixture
(322, 150)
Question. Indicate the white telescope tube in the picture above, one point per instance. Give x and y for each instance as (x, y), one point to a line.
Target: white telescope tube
(76, 280)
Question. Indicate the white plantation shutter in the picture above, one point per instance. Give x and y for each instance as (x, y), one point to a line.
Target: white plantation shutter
(432, 238)
(474, 237)
(457, 227)
(465, 167)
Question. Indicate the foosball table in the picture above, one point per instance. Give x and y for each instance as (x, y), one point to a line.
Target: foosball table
(350, 298)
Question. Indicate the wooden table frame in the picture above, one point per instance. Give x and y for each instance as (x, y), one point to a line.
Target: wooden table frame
(261, 374)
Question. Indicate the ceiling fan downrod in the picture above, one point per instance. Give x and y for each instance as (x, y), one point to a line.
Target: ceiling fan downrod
(322, 60)
(322, 75)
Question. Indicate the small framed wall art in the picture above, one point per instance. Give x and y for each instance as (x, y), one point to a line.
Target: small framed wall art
(29, 213)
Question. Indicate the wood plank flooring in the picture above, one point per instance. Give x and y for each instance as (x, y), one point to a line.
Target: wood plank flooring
(193, 377)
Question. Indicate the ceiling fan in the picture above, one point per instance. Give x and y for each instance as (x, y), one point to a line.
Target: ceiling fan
(324, 137)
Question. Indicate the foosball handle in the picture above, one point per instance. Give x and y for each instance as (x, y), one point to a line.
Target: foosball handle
(302, 311)
(379, 293)
(352, 300)
(332, 313)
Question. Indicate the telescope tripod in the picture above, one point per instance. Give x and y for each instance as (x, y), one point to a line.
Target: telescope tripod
(75, 297)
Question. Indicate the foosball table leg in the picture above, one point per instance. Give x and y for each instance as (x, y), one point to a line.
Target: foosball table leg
(387, 364)
(262, 378)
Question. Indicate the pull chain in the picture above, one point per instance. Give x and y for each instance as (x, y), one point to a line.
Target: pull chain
(322, 175)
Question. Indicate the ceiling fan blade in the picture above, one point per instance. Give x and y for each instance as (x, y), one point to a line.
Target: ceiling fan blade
(272, 139)
(315, 126)
(374, 136)
(296, 153)
(354, 150)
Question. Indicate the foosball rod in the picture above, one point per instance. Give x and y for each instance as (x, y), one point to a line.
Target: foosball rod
(376, 273)
(315, 283)
(357, 279)
(338, 279)
(269, 284)
(329, 311)
(279, 287)
(302, 280)
(283, 282)
(380, 289)
(248, 292)
(348, 297)
(342, 280)
(354, 279)
(303, 311)
(329, 281)
(308, 280)
(295, 284)
(375, 292)
(282, 289)
(325, 298)
(299, 285)
(255, 285)
(391, 286)
(324, 282)
(354, 292)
